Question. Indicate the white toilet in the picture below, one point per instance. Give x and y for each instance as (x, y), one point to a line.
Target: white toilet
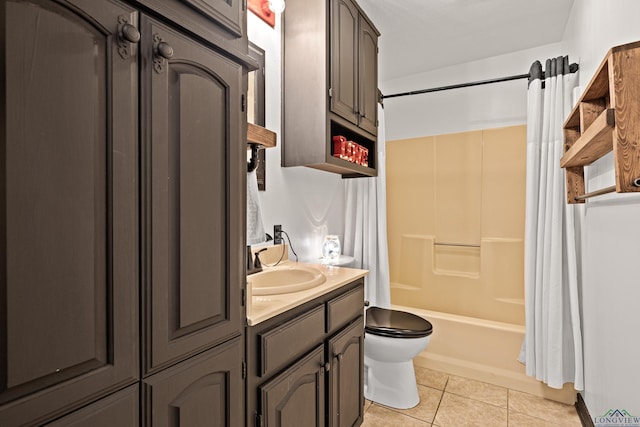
(392, 339)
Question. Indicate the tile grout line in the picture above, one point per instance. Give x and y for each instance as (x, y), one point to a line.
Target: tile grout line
(440, 402)
(482, 401)
(508, 410)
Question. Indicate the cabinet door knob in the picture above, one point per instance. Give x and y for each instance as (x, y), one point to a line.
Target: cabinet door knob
(339, 357)
(164, 50)
(366, 303)
(130, 33)
(327, 367)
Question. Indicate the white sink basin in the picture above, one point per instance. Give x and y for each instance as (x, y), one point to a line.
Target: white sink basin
(285, 279)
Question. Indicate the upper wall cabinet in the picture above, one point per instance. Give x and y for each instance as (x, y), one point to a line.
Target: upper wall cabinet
(354, 66)
(330, 85)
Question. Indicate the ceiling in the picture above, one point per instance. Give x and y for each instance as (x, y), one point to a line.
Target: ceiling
(423, 35)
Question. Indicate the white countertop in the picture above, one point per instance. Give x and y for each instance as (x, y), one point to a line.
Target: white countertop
(263, 307)
(342, 260)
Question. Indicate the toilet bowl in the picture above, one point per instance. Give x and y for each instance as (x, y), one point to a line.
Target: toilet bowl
(392, 339)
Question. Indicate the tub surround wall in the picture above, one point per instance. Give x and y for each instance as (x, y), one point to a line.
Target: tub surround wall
(465, 188)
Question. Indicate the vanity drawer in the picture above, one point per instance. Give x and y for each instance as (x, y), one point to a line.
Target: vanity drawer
(341, 310)
(284, 343)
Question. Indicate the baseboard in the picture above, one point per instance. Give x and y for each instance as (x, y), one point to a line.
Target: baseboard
(583, 412)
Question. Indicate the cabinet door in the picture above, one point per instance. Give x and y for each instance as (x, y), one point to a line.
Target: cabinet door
(68, 206)
(229, 13)
(368, 78)
(120, 409)
(344, 59)
(194, 196)
(204, 391)
(296, 397)
(346, 376)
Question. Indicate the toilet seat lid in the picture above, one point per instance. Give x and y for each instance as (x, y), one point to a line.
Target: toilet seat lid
(396, 324)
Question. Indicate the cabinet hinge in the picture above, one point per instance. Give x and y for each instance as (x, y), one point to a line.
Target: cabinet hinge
(244, 370)
(258, 420)
(244, 297)
(244, 4)
(242, 103)
(330, 92)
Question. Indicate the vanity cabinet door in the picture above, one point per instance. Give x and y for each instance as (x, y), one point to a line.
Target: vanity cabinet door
(203, 391)
(68, 206)
(296, 397)
(192, 153)
(120, 409)
(346, 378)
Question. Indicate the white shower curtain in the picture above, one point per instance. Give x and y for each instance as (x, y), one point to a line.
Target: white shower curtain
(365, 235)
(552, 349)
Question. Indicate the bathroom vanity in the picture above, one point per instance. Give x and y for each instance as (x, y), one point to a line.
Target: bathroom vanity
(305, 354)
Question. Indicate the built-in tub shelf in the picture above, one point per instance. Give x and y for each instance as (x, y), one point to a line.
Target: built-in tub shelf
(605, 119)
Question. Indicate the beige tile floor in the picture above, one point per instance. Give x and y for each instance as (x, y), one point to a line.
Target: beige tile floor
(451, 401)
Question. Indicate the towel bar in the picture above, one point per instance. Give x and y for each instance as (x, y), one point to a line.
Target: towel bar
(466, 245)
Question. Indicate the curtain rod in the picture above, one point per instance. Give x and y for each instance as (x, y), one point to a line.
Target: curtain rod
(572, 68)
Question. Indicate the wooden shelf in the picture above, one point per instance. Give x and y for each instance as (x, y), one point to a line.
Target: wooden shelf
(259, 135)
(605, 119)
(594, 143)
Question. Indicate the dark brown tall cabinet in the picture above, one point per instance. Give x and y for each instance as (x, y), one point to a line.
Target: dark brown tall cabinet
(122, 222)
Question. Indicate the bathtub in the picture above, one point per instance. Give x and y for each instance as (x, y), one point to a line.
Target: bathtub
(483, 350)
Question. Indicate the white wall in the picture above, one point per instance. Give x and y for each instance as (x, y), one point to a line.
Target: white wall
(611, 232)
(308, 203)
(460, 110)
